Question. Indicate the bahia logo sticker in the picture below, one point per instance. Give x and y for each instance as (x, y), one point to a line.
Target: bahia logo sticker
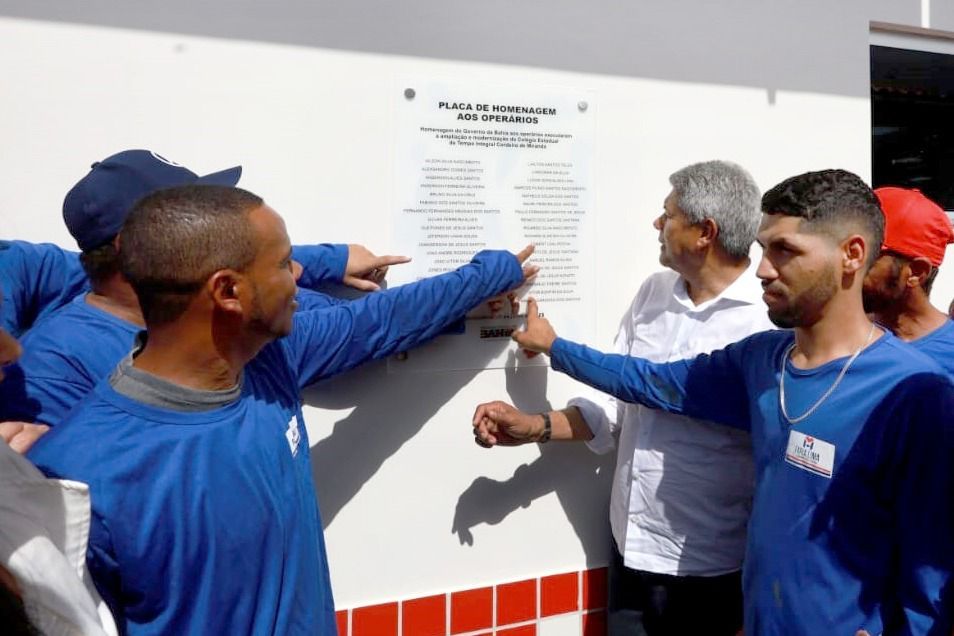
(499, 331)
(810, 453)
(159, 157)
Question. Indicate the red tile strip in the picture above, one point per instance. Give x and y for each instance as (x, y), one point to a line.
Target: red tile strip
(516, 602)
(342, 619)
(471, 610)
(375, 620)
(559, 593)
(424, 616)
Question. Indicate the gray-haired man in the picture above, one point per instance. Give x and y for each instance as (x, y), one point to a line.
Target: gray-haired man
(681, 493)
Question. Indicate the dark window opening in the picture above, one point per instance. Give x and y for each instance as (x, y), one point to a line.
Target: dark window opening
(912, 121)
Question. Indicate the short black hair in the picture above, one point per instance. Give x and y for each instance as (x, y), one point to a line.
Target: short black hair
(175, 239)
(828, 200)
(100, 262)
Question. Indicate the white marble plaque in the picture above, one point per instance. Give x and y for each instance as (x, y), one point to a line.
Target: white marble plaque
(495, 167)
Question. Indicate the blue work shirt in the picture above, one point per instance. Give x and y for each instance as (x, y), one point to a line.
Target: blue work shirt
(207, 523)
(852, 519)
(939, 346)
(36, 279)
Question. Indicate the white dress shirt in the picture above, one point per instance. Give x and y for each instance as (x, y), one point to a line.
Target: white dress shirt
(44, 529)
(682, 489)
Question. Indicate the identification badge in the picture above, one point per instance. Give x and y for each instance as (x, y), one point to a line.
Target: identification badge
(810, 453)
(293, 436)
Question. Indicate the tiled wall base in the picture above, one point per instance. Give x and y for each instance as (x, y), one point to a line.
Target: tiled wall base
(570, 604)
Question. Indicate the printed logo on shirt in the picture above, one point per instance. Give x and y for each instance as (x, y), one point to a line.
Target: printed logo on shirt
(292, 435)
(810, 453)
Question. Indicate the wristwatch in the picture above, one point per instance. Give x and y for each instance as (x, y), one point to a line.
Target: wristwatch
(547, 429)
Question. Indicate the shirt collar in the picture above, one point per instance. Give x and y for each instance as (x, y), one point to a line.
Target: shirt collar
(745, 290)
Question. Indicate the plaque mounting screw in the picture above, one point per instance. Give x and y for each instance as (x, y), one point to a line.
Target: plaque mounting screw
(409, 93)
(582, 106)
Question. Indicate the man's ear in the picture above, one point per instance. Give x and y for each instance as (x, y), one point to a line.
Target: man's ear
(919, 270)
(854, 254)
(225, 287)
(709, 232)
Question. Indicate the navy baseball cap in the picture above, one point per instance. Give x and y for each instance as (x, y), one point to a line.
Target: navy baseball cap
(96, 208)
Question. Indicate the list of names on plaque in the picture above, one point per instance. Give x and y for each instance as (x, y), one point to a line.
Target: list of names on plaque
(485, 167)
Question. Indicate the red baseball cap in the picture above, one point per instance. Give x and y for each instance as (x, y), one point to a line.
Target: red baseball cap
(914, 225)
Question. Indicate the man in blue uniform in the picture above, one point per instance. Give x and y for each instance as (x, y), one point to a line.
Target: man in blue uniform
(204, 512)
(898, 286)
(851, 431)
(78, 345)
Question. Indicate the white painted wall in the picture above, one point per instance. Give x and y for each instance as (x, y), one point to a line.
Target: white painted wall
(411, 505)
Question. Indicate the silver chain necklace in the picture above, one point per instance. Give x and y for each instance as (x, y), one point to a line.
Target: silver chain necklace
(831, 389)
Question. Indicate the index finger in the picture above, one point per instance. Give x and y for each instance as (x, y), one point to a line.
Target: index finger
(532, 311)
(386, 261)
(525, 253)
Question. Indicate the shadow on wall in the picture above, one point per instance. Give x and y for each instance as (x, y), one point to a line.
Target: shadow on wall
(376, 428)
(580, 479)
(359, 444)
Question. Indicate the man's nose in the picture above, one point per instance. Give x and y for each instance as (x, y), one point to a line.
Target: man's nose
(765, 270)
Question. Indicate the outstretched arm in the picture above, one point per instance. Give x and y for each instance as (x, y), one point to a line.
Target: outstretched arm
(709, 386)
(500, 424)
(36, 278)
(321, 264)
(353, 265)
(309, 300)
(329, 341)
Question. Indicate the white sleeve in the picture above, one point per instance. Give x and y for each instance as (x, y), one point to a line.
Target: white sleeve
(600, 415)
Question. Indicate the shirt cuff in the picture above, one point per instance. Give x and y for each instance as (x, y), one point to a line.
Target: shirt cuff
(598, 422)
